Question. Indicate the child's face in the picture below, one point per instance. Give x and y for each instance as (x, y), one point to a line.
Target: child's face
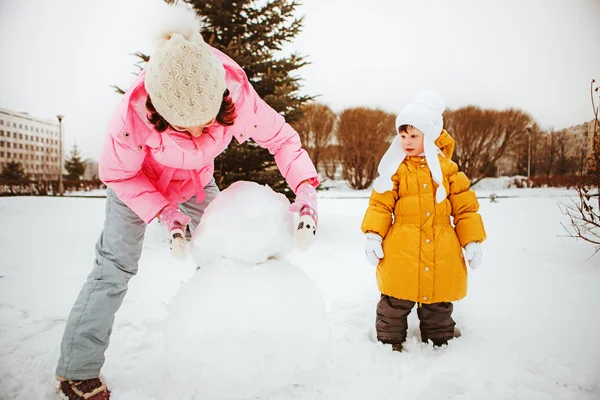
(412, 141)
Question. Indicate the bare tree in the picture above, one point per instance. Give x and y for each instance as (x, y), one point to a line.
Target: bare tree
(330, 160)
(563, 160)
(363, 134)
(316, 129)
(548, 153)
(584, 214)
(483, 136)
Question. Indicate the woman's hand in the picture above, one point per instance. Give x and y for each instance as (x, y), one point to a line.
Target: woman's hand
(176, 222)
(306, 205)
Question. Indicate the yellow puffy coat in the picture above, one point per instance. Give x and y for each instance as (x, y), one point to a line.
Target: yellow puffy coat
(423, 260)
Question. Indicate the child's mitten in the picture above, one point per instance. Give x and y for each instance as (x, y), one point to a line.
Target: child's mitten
(373, 249)
(473, 254)
(306, 204)
(176, 223)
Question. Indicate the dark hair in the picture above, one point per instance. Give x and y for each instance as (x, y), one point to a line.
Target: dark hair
(225, 117)
(404, 128)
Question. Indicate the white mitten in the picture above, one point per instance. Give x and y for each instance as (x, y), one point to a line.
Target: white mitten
(306, 205)
(177, 243)
(307, 228)
(176, 222)
(373, 249)
(473, 254)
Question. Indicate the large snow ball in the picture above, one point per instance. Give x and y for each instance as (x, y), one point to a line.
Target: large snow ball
(247, 222)
(238, 331)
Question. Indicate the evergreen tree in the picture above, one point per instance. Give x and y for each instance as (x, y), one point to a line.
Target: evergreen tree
(251, 32)
(13, 171)
(74, 165)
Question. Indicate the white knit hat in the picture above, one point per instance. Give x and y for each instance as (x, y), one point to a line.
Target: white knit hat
(184, 78)
(425, 114)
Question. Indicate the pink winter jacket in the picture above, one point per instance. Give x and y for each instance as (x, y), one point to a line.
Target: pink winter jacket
(149, 170)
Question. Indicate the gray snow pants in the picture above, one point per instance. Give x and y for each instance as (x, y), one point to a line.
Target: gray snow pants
(118, 251)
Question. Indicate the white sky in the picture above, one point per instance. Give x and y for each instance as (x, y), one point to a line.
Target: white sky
(60, 56)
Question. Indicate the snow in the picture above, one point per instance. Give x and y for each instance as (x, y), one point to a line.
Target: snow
(247, 222)
(248, 322)
(237, 331)
(529, 323)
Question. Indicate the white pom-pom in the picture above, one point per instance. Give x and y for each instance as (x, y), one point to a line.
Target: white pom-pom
(432, 99)
(177, 19)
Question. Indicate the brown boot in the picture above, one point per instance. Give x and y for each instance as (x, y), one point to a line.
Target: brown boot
(397, 347)
(88, 389)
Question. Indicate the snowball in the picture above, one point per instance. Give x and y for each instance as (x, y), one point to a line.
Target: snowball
(247, 222)
(245, 324)
(238, 331)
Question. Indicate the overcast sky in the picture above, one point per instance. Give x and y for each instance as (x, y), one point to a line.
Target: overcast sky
(60, 56)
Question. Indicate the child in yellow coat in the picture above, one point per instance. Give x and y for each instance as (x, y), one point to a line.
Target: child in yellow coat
(420, 216)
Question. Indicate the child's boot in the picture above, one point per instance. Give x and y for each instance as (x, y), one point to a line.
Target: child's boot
(397, 347)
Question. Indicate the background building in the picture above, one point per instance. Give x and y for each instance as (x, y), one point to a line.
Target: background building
(33, 142)
(580, 142)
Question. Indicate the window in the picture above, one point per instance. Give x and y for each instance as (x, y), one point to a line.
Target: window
(1, 143)
(8, 144)
(1, 154)
(21, 136)
(8, 154)
(20, 145)
(1, 122)
(20, 126)
(14, 124)
(1, 133)
(15, 135)
(21, 156)
(26, 137)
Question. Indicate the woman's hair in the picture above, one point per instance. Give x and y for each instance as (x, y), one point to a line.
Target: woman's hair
(225, 117)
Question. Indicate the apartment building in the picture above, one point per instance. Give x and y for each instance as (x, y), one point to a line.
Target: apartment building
(580, 138)
(33, 142)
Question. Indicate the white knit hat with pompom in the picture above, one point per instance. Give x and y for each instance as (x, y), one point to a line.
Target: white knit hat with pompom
(184, 78)
(425, 114)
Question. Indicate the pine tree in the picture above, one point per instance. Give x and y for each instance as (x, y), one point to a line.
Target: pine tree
(74, 165)
(251, 32)
(13, 171)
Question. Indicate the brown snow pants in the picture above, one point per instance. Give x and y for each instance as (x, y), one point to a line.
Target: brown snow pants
(436, 321)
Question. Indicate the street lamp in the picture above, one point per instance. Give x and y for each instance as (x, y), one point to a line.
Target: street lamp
(61, 188)
(528, 127)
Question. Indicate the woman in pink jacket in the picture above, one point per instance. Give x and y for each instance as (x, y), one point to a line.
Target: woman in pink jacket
(157, 161)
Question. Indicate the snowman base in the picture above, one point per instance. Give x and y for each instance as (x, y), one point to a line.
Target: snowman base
(237, 331)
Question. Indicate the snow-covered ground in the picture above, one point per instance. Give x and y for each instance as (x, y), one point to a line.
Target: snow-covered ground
(530, 321)
(500, 187)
